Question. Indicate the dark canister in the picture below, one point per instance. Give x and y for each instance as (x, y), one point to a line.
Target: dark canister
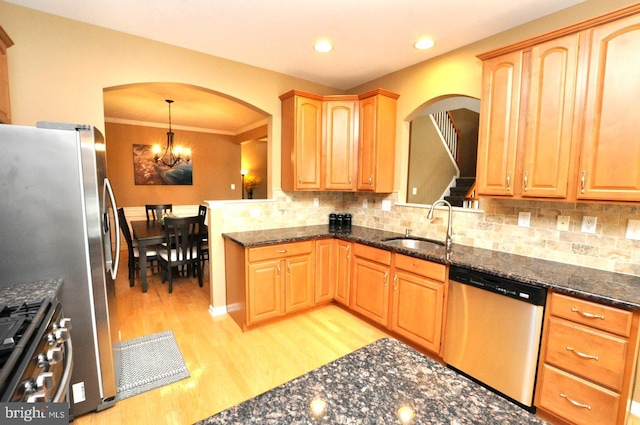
(332, 222)
(346, 222)
(339, 221)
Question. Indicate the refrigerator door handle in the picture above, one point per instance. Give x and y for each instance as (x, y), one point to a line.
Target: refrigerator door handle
(112, 266)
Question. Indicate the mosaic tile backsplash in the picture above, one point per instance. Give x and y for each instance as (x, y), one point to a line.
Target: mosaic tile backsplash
(494, 227)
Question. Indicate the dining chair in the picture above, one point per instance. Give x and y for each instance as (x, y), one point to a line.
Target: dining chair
(155, 211)
(132, 248)
(183, 236)
(204, 246)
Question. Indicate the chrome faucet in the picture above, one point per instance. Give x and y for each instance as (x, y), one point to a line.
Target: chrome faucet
(430, 217)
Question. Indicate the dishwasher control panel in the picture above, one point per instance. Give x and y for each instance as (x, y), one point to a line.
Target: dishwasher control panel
(499, 285)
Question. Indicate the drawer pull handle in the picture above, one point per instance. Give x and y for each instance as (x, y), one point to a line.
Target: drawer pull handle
(575, 403)
(282, 251)
(588, 315)
(583, 355)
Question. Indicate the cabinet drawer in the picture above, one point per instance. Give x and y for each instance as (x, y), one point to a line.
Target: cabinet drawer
(374, 254)
(589, 353)
(576, 400)
(279, 251)
(599, 316)
(421, 267)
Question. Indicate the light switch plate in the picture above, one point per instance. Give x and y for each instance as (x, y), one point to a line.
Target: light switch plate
(316, 202)
(386, 205)
(563, 223)
(633, 230)
(589, 224)
(524, 219)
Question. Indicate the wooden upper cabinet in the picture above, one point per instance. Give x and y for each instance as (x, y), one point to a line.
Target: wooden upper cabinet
(301, 148)
(610, 158)
(376, 145)
(498, 132)
(5, 104)
(550, 114)
(321, 141)
(340, 142)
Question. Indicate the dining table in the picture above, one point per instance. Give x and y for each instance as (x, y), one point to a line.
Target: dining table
(146, 233)
(149, 233)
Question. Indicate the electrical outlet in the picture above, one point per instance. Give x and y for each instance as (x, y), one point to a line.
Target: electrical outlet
(414, 191)
(316, 202)
(563, 223)
(589, 224)
(364, 204)
(524, 219)
(233, 186)
(633, 230)
(386, 205)
(78, 392)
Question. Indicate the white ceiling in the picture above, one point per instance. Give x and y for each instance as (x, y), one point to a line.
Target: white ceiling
(371, 37)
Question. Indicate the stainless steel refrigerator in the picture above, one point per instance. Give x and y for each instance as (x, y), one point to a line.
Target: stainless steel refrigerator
(56, 221)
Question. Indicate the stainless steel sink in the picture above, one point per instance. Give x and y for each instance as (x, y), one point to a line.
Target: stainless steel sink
(413, 243)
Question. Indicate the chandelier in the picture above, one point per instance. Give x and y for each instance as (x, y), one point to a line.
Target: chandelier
(173, 155)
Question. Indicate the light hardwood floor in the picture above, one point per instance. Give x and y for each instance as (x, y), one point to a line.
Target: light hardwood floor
(226, 365)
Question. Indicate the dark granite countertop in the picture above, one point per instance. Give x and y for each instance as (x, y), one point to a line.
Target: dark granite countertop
(18, 293)
(610, 288)
(370, 386)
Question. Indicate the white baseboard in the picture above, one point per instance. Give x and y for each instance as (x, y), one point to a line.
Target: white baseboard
(217, 311)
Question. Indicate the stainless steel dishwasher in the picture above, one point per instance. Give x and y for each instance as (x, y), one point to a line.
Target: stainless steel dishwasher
(493, 332)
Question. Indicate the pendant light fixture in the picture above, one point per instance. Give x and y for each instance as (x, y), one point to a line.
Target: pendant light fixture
(172, 156)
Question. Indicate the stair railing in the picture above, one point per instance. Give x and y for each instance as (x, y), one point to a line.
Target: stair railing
(449, 131)
(471, 199)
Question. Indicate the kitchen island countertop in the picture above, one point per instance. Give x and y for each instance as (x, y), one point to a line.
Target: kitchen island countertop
(377, 384)
(615, 289)
(27, 292)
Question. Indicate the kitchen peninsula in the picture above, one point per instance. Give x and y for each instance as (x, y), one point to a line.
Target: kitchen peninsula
(385, 382)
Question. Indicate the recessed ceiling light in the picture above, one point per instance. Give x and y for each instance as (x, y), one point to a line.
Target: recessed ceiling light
(424, 44)
(323, 46)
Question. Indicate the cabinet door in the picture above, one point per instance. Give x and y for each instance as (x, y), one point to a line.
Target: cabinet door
(325, 270)
(547, 147)
(308, 146)
(610, 159)
(370, 291)
(343, 271)
(299, 283)
(498, 131)
(376, 142)
(264, 291)
(417, 309)
(340, 144)
(301, 147)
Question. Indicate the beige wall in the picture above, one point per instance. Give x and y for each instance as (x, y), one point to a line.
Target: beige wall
(216, 165)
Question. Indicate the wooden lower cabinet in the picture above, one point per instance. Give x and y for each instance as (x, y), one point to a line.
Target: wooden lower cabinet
(343, 271)
(586, 361)
(370, 283)
(269, 281)
(325, 270)
(418, 301)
